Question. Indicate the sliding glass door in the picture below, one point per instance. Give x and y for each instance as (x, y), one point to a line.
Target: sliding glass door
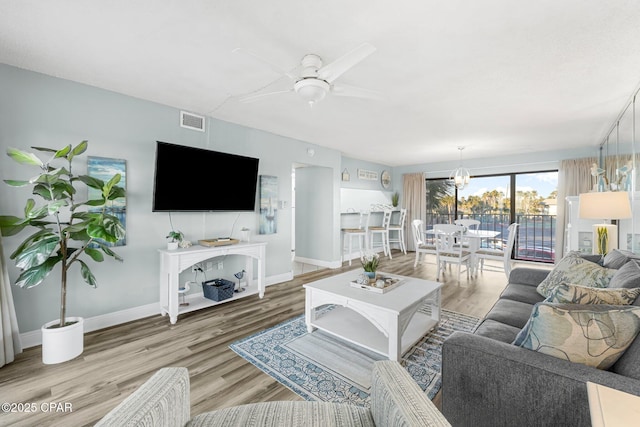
(489, 200)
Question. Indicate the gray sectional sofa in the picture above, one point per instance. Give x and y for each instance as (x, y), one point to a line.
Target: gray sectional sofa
(488, 381)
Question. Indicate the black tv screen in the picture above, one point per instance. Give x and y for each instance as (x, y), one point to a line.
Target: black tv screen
(195, 179)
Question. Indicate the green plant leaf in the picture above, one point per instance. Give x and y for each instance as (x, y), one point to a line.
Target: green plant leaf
(94, 202)
(37, 252)
(16, 183)
(87, 275)
(113, 226)
(23, 157)
(95, 254)
(80, 235)
(47, 178)
(78, 149)
(44, 149)
(39, 213)
(116, 192)
(38, 235)
(57, 191)
(98, 231)
(35, 275)
(63, 152)
(28, 207)
(11, 225)
(54, 207)
(107, 250)
(74, 228)
(90, 181)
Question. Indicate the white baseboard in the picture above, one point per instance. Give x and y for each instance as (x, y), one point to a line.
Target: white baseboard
(34, 338)
(319, 263)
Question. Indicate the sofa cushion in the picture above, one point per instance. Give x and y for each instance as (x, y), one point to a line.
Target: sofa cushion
(595, 335)
(497, 331)
(523, 293)
(628, 276)
(528, 276)
(628, 364)
(276, 414)
(512, 313)
(615, 259)
(578, 294)
(575, 269)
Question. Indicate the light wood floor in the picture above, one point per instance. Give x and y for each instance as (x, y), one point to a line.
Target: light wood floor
(118, 359)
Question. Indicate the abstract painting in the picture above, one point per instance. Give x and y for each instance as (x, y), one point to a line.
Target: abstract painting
(104, 168)
(268, 204)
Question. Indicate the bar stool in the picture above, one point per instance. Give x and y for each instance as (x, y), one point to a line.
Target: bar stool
(383, 231)
(399, 230)
(361, 233)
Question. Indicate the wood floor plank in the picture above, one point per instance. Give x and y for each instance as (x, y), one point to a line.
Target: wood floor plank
(117, 360)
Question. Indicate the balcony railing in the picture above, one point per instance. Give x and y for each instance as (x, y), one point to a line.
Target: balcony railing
(536, 233)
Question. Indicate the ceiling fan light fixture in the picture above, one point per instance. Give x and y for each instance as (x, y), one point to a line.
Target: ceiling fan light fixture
(312, 90)
(461, 176)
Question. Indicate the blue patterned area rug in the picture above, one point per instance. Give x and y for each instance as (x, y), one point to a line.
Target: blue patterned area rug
(319, 366)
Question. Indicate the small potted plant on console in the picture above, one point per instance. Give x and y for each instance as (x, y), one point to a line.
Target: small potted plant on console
(176, 237)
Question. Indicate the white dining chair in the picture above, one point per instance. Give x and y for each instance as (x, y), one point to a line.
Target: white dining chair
(360, 234)
(503, 255)
(417, 228)
(398, 232)
(448, 251)
(383, 231)
(468, 224)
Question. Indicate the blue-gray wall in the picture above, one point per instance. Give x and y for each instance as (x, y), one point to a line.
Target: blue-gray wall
(38, 110)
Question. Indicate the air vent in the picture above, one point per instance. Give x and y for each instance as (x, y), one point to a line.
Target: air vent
(191, 121)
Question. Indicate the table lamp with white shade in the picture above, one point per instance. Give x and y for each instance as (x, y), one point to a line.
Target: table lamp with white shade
(605, 205)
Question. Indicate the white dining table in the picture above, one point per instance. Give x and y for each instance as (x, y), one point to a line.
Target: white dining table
(475, 238)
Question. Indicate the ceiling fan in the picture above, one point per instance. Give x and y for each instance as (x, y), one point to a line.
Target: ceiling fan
(316, 80)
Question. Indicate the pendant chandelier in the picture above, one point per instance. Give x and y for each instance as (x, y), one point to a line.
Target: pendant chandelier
(460, 176)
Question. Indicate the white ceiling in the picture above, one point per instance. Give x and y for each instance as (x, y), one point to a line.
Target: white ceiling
(496, 76)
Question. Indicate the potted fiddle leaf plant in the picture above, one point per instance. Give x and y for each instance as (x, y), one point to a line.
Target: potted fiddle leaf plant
(65, 232)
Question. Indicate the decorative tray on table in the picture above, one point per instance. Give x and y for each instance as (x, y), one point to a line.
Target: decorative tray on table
(390, 283)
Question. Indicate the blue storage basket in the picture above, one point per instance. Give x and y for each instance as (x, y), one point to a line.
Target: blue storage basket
(218, 289)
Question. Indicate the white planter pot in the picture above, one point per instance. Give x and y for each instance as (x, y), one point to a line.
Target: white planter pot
(62, 344)
(172, 246)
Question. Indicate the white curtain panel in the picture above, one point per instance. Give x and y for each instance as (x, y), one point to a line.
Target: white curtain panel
(414, 200)
(574, 177)
(8, 323)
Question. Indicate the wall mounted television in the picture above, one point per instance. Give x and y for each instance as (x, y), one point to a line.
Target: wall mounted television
(189, 179)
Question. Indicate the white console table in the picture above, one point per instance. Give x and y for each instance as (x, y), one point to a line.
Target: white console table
(172, 263)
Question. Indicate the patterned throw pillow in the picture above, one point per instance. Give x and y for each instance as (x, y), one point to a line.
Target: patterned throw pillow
(595, 335)
(570, 293)
(574, 269)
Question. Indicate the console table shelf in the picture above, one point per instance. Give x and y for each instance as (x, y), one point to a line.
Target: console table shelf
(172, 263)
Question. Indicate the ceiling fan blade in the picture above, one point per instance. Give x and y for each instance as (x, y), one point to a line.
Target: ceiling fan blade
(252, 98)
(335, 69)
(266, 62)
(356, 92)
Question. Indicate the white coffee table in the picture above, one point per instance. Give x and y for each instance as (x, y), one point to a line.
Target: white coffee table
(388, 323)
